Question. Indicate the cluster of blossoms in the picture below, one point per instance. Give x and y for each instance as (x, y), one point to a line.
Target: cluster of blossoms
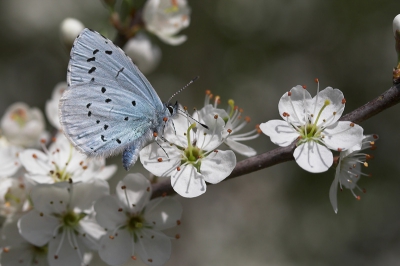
(56, 202)
(163, 18)
(313, 123)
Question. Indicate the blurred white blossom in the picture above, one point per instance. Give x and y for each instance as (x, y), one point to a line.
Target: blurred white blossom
(23, 126)
(396, 25)
(133, 223)
(165, 18)
(13, 196)
(61, 162)
(69, 29)
(143, 53)
(62, 219)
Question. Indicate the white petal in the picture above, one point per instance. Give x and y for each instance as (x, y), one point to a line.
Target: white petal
(240, 147)
(295, 105)
(117, 250)
(85, 194)
(107, 212)
(90, 233)
(37, 229)
(67, 255)
(163, 213)
(52, 198)
(188, 182)
(106, 172)
(35, 161)
(342, 135)
(154, 248)
(137, 191)
(150, 155)
(334, 190)
(313, 157)
(172, 40)
(217, 166)
(280, 132)
(20, 255)
(335, 97)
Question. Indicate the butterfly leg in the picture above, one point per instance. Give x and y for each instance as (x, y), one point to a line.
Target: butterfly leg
(129, 156)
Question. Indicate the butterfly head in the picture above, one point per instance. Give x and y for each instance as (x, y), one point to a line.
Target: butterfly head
(172, 108)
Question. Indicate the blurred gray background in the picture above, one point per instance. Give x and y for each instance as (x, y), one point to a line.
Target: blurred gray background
(252, 52)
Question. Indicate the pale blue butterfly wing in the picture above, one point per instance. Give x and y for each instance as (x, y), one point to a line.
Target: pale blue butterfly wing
(109, 105)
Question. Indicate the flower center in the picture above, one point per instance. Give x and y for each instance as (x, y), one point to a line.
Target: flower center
(19, 116)
(192, 154)
(71, 219)
(135, 223)
(312, 131)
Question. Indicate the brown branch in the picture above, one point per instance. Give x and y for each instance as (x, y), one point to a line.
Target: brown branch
(284, 154)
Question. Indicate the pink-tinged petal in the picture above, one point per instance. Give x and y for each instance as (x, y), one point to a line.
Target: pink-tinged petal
(188, 182)
(280, 132)
(217, 166)
(156, 161)
(335, 97)
(35, 162)
(109, 212)
(117, 249)
(313, 157)
(51, 199)
(154, 248)
(85, 194)
(163, 213)
(61, 253)
(36, 228)
(295, 104)
(240, 148)
(136, 189)
(343, 135)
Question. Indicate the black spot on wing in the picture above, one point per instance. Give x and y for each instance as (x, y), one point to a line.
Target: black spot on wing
(134, 103)
(96, 51)
(89, 113)
(92, 70)
(126, 118)
(109, 52)
(103, 90)
(108, 100)
(105, 127)
(91, 59)
(119, 71)
(92, 80)
(119, 141)
(103, 138)
(88, 105)
(97, 121)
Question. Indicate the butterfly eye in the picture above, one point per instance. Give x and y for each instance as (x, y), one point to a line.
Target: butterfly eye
(171, 109)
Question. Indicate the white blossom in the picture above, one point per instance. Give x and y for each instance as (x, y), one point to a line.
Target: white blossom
(62, 219)
(69, 29)
(396, 26)
(61, 162)
(348, 170)
(13, 196)
(314, 123)
(190, 156)
(23, 126)
(165, 18)
(133, 223)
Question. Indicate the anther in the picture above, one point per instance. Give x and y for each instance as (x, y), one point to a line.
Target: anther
(120, 209)
(165, 119)
(178, 222)
(215, 116)
(55, 256)
(123, 187)
(304, 86)
(53, 139)
(155, 134)
(365, 164)
(375, 136)
(43, 141)
(241, 110)
(164, 194)
(208, 92)
(6, 250)
(159, 160)
(70, 180)
(247, 119)
(364, 190)
(177, 236)
(316, 80)
(148, 189)
(334, 113)
(339, 149)
(150, 260)
(178, 168)
(352, 124)
(41, 214)
(34, 156)
(133, 257)
(289, 93)
(229, 131)
(358, 197)
(111, 237)
(343, 101)
(285, 114)
(185, 108)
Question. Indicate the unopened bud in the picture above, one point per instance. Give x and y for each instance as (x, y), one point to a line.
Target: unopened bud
(69, 30)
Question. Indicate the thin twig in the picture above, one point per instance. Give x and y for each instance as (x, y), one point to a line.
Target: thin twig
(284, 154)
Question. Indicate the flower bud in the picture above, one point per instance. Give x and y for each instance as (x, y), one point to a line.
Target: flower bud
(396, 33)
(69, 29)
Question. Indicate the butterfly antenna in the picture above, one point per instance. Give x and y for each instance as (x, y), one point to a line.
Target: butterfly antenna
(184, 87)
(203, 125)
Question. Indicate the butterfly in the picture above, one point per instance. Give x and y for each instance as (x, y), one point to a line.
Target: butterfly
(109, 106)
